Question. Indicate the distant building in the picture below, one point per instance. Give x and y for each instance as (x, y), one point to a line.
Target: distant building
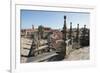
(28, 32)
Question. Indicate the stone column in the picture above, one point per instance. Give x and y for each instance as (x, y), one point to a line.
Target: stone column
(64, 33)
(70, 33)
(77, 37)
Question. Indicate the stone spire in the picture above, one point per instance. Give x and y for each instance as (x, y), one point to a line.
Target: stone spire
(77, 37)
(62, 51)
(84, 31)
(77, 34)
(64, 31)
(65, 20)
(70, 31)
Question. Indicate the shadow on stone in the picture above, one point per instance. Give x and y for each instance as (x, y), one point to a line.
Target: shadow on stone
(56, 58)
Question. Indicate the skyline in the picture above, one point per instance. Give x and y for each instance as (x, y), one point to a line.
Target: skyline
(53, 19)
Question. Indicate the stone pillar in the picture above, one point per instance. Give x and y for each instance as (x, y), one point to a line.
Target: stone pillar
(64, 33)
(77, 34)
(84, 30)
(70, 33)
(77, 37)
